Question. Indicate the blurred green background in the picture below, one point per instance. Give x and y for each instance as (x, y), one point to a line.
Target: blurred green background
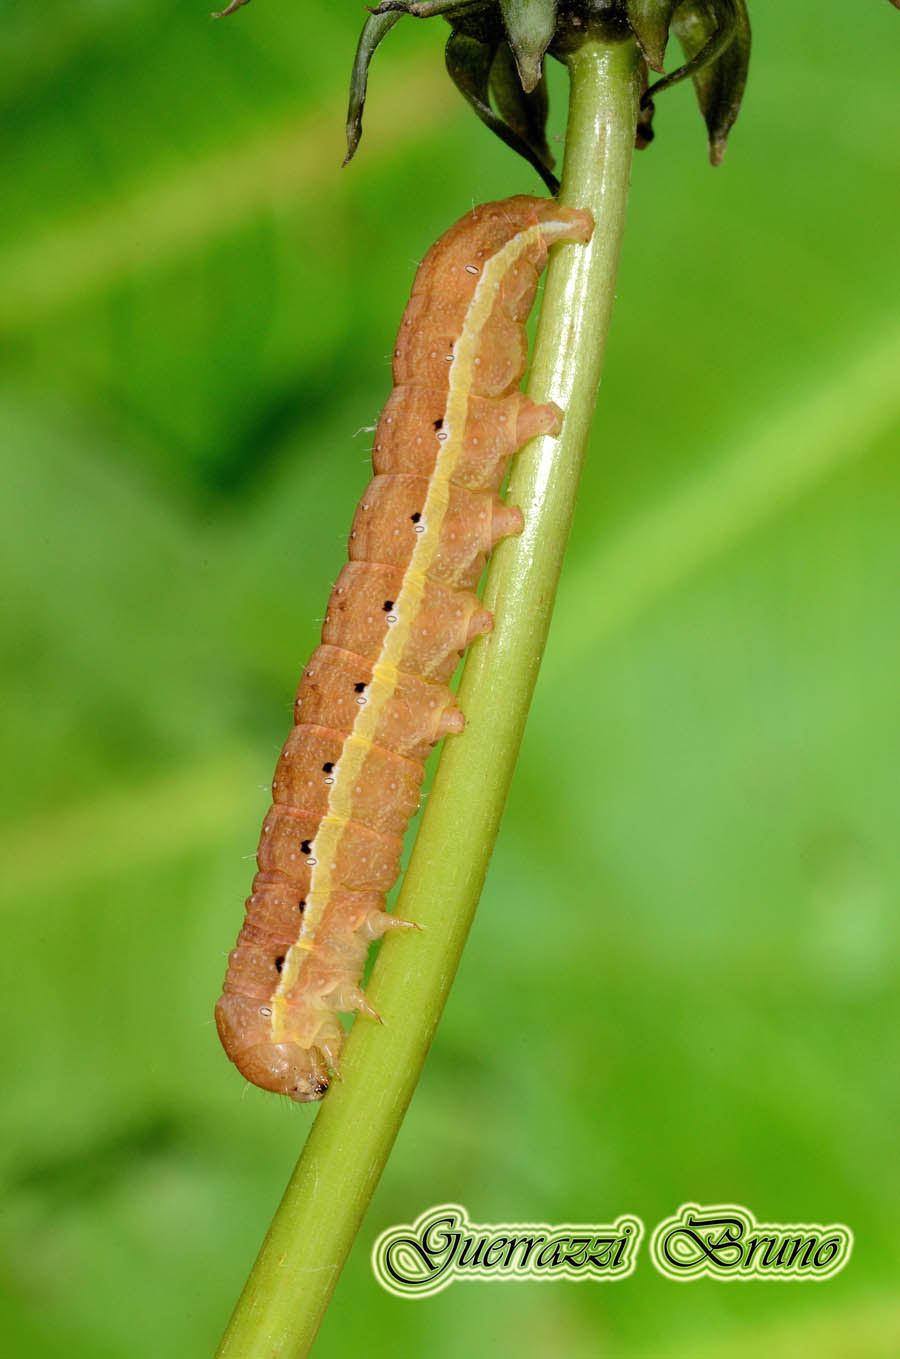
(682, 981)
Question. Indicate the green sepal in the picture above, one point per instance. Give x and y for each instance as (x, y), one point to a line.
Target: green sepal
(525, 114)
(469, 64)
(704, 28)
(530, 25)
(715, 37)
(649, 21)
(374, 29)
(720, 74)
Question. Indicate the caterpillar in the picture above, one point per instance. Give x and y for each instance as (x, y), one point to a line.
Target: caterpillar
(374, 697)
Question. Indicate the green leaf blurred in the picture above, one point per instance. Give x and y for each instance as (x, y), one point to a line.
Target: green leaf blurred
(683, 980)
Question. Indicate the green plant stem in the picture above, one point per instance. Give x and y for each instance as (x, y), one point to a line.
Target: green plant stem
(300, 1261)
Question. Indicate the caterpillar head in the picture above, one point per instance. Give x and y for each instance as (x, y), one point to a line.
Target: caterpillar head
(286, 1069)
(302, 1071)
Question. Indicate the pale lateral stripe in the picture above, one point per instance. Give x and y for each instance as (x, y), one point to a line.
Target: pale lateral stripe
(406, 606)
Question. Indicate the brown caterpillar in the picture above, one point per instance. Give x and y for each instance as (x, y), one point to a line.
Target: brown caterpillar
(373, 699)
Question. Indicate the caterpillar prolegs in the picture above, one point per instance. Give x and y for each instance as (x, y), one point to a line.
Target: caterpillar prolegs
(373, 699)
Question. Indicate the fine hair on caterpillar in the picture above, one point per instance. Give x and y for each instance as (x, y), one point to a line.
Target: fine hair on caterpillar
(373, 699)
